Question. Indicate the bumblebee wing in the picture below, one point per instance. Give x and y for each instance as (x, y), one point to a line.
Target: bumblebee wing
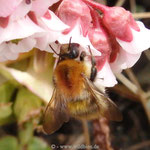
(107, 108)
(55, 113)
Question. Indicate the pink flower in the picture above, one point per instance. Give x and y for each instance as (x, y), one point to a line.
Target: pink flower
(53, 27)
(76, 15)
(131, 37)
(24, 20)
(115, 38)
(40, 7)
(75, 12)
(105, 43)
(7, 7)
(20, 29)
(115, 34)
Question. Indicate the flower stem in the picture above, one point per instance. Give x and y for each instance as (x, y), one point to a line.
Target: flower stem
(127, 83)
(101, 133)
(104, 2)
(120, 3)
(141, 145)
(133, 6)
(132, 77)
(141, 15)
(140, 91)
(86, 133)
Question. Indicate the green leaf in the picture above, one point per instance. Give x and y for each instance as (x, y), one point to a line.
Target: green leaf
(2, 79)
(38, 83)
(38, 144)
(7, 120)
(5, 110)
(6, 91)
(26, 102)
(26, 133)
(5, 72)
(9, 143)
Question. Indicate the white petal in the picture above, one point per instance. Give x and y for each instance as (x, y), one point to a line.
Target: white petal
(124, 60)
(53, 26)
(76, 37)
(8, 6)
(2, 59)
(19, 29)
(40, 6)
(10, 51)
(54, 23)
(105, 77)
(140, 42)
(11, 56)
(2, 48)
(47, 38)
(7, 54)
(21, 10)
(41, 42)
(24, 45)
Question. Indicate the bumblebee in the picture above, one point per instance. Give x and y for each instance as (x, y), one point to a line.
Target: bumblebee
(74, 93)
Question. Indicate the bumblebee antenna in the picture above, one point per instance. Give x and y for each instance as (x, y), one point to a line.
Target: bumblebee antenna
(53, 50)
(69, 43)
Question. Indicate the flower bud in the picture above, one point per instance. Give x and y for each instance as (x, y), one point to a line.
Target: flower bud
(71, 12)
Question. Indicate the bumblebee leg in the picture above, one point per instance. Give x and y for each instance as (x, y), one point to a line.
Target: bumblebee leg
(82, 55)
(93, 73)
(93, 68)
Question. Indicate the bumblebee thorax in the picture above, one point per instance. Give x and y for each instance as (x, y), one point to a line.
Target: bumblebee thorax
(68, 79)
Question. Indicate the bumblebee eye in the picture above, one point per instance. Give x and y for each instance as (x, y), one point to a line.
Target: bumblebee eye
(74, 53)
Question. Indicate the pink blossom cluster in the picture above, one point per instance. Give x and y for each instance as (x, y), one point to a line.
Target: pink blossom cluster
(115, 38)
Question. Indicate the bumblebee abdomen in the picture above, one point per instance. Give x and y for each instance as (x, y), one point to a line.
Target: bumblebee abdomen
(83, 109)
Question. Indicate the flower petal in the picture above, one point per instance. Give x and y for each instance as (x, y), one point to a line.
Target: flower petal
(105, 77)
(140, 42)
(42, 42)
(53, 26)
(8, 6)
(53, 23)
(76, 37)
(22, 9)
(3, 48)
(10, 51)
(40, 7)
(6, 53)
(48, 38)
(24, 45)
(19, 29)
(124, 60)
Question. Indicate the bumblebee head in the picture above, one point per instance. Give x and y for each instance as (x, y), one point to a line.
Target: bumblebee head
(69, 51)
